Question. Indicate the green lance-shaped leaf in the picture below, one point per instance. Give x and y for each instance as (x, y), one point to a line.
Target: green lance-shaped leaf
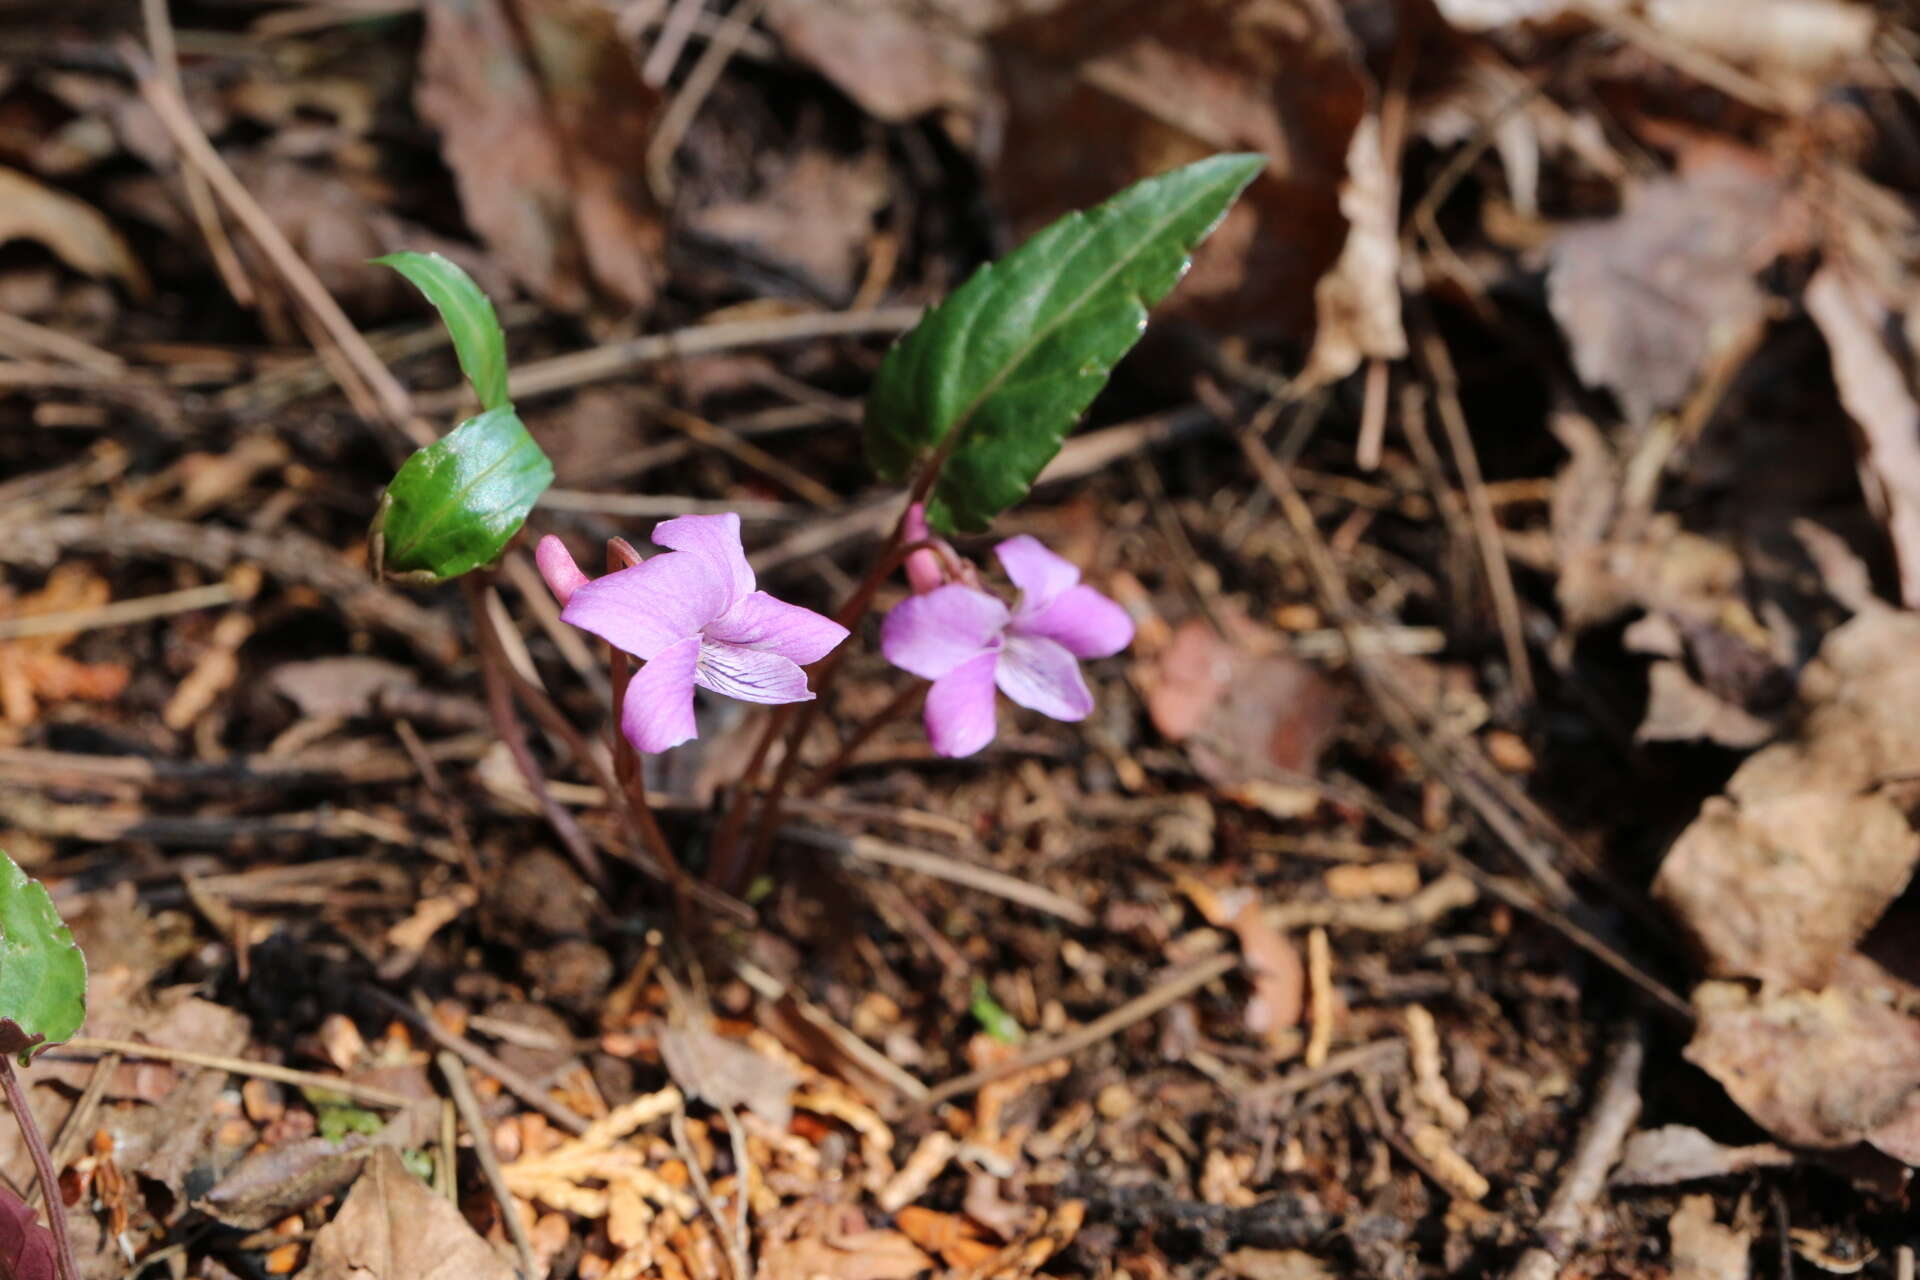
(988, 384)
(468, 314)
(454, 505)
(43, 976)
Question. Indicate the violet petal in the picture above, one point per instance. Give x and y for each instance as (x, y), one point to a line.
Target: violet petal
(1040, 574)
(960, 711)
(715, 539)
(751, 675)
(658, 711)
(1041, 675)
(932, 634)
(1083, 620)
(650, 606)
(758, 621)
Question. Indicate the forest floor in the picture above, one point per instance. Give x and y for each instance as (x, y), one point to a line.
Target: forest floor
(1491, 857)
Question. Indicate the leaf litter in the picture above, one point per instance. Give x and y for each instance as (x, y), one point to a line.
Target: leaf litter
(1670, 258)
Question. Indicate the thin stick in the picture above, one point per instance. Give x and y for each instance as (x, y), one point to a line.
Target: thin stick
(701, 431)
(225, 260)
(1486, 527)
(510, 1080)
(120, 613)
(699, 83)
(559, 373)
(1615, 1109)
(42, 1168)
(952, 870)
(496, 673)
(1141, 1007)
(455, 1072)
(369, 1094)
(395, 404)
(823, 676)
(73, 1134)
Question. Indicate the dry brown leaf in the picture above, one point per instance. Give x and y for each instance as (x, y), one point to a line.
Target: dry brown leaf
(1820, 1069)
(392, 1227)
(1781, 877)
(1680, 1153)
(833, 1241)
(1646, 299)
(726, 1073)
(1876, 393)
(1679, 710)
(1273, 963)
(814, 216)
(956, 1239)
(893, 57)
(74, 230)
(339, 688)
(1275, 1264)
(543, 138)
(1249, 721)
(1102, 93)
(1358, 301)
(1702, 1248)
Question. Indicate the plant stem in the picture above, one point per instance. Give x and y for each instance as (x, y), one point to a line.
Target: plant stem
(496, 671)
(901, 703)
(849, 617)
(628, 770)
(725, 869)
(42, 1168)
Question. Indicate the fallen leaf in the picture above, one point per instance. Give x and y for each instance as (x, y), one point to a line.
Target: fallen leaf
(268, 1185)
(894, 58)
(339, 688)
(1875, 392)
(813, 216)
(1278, 974)
(1357, 303)
(1781, 876)
(1102, 93)
(1702, 1248)
(1679, 710)
(393, 1227)
(1250, 722)
(1648, 298)
(956, 1239)
(544, 137)
(1819, 1069)
(1275, 1264)
(832, 1241)
(725, 1073)
(1680, 1153)
(75, 231)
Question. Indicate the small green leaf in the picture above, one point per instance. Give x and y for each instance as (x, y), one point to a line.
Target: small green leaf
(988, 384)
(477, 337)
(993, 1017)
(43, 976)
(454, 505)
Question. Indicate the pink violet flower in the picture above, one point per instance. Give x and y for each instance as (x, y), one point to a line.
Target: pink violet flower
(968, 643)
(694, 617)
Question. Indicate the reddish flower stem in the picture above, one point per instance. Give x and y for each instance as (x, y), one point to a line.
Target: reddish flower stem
(496, 672)
(728, 864)
(627, 768)
(906, 700)
(42, 1168)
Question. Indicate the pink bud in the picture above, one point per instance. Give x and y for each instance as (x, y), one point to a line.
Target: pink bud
(558, 568)
(926, 570)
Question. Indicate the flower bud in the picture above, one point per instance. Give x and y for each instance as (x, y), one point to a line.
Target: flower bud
(558, 568)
